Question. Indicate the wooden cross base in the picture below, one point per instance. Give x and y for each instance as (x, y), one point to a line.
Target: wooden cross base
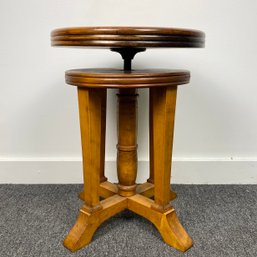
(165, 221)
(151, 199)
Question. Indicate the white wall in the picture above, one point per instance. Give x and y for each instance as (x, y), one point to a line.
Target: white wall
(216, 119)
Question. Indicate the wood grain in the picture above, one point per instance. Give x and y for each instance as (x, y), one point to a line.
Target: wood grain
(166, 222)
(163, 115)
(111, 37)
(90, 111)
(127, 141)
(114, 78)
(87, 222)
(92, 86)
(106, 189)
(151, 159)
(147, 189)
(103, 132)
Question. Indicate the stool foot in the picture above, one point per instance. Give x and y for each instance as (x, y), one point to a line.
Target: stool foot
(167, 222)
(173, 233)
(87, 222)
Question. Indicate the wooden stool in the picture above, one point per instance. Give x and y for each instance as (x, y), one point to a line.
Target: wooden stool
(151, 199)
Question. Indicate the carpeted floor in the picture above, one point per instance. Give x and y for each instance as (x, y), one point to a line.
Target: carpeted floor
(221, 219)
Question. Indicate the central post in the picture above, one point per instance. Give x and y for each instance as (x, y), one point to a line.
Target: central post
(127, 129)
(127, 141)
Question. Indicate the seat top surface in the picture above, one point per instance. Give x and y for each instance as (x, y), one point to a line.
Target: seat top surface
(114, 78)
(112, 37)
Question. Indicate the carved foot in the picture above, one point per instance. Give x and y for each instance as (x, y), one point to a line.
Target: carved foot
(167, 222)
(173, 232)
(87, 222)
(82, 232)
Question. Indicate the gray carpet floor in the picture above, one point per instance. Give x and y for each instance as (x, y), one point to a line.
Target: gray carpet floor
(221, 219)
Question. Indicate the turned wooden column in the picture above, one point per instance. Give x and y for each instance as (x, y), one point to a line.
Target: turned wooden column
(127, 141)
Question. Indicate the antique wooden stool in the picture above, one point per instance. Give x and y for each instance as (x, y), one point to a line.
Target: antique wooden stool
(151, 199)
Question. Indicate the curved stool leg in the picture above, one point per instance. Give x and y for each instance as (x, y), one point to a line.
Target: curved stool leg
(87, 222)
(93, 213)
(162, 116)
(173, 232)
(167, 222)
(82, 232)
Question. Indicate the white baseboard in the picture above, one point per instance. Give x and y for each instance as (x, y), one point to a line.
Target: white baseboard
(184, 171)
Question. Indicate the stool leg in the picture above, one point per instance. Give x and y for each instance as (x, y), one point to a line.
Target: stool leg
(173, 195)
(93, 213)
(127, 142)
(91, 103)
(162, 116)
(151, 177)
(103, 132)
(163, 106)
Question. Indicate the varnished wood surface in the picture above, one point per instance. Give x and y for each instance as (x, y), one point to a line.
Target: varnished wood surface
(150, 200)
(166, 221)
(87, 222)
(114, 78)
(111, 37)
(92, 121)
(163, 105)
(108, 189)
(127, 141)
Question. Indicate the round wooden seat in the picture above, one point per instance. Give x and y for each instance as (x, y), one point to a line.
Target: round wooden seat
(114, 78)
(111, 37)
